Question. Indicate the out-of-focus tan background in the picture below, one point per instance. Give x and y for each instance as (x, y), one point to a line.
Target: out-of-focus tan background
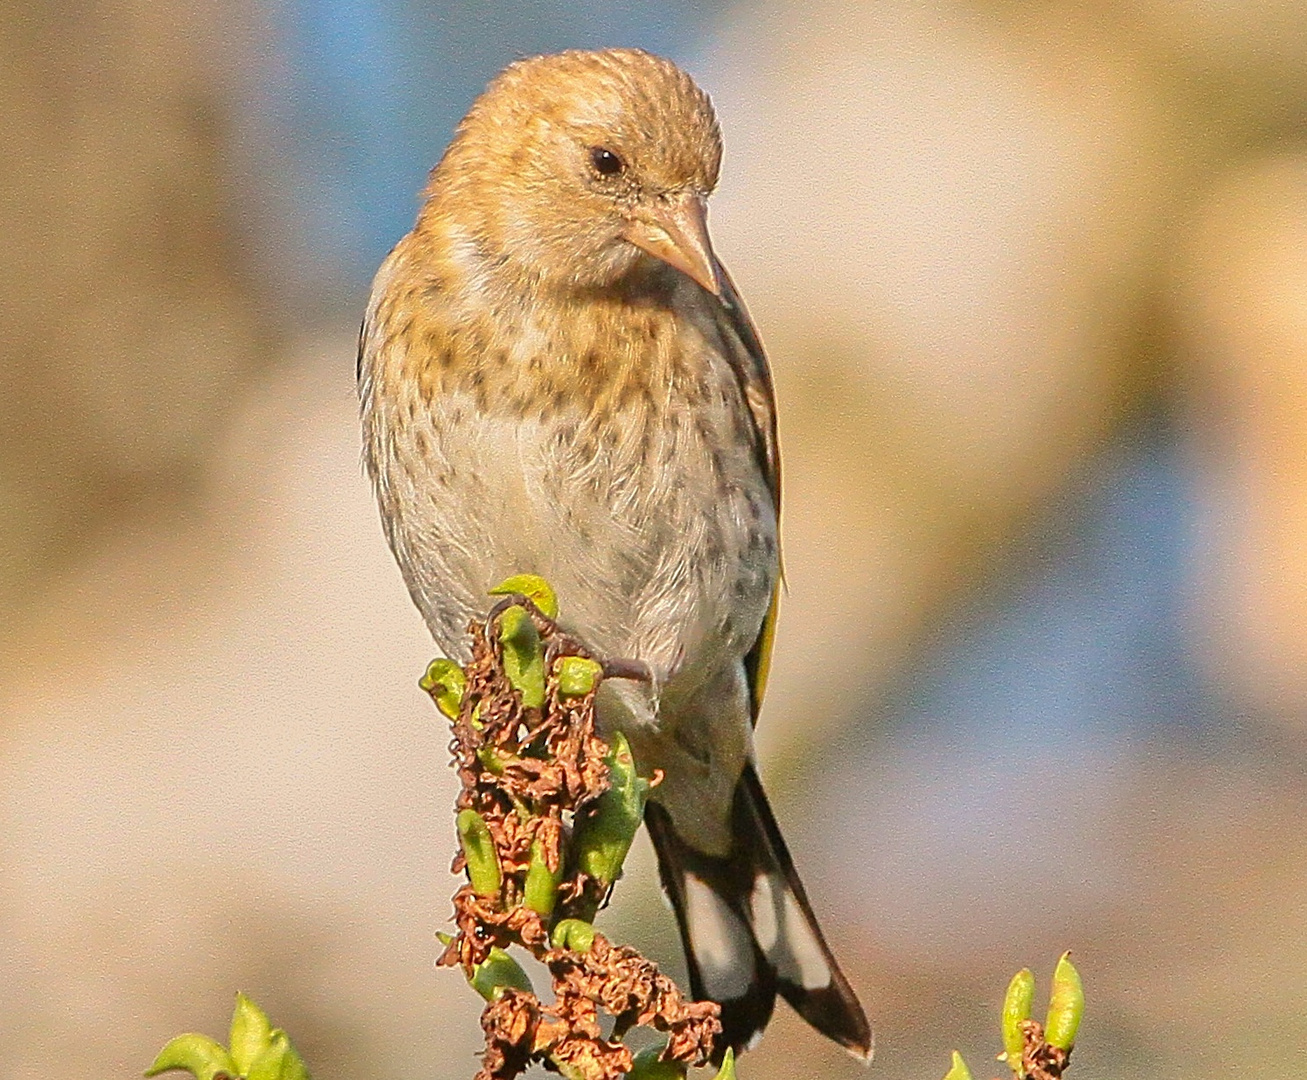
(1034, 282)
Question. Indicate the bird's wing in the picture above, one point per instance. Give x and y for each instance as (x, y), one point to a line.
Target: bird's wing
(753, 373)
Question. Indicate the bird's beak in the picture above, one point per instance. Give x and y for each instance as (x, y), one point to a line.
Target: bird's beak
(676, 231)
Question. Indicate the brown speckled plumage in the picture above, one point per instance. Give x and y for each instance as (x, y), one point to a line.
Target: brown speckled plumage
(557, 377)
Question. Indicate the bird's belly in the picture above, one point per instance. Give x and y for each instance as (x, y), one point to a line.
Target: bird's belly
(660, 539)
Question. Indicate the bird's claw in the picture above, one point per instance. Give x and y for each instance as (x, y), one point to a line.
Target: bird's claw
(562, 644)
(559, 643)
(547, 627)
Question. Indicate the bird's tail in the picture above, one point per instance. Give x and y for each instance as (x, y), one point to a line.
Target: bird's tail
(749, 931)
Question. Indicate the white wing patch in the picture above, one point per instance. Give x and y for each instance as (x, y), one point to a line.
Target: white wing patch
(762, 905)
(784, 934)
(721, 941)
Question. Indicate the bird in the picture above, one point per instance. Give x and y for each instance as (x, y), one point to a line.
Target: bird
(557, 376)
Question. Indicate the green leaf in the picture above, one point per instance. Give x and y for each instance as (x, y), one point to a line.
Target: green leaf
(573, 934)
(649, 1065)
(534, 588)
(540, 892)
(1016, 1008)
(445, 682)
(497, 971)
(605, 831)
(1066, 1005)
(958, 1070)
(493, 759)
(202, 1057)
(577, 676)
(279, 1061)
(727, 1071)
(293, 1067)
(479, 851)
(524, 656)
(251, 1033)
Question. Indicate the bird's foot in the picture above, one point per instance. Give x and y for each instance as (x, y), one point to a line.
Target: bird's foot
(547, 627)
(560, 643)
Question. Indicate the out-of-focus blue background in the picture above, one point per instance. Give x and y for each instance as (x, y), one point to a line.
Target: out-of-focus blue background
(1034, 287)
(369, 94)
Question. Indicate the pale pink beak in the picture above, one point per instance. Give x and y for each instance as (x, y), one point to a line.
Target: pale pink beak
(676, 231)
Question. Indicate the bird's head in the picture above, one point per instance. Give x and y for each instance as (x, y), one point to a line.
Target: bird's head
(571, 170)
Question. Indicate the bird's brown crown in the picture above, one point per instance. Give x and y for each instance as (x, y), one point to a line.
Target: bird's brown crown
(559, 155)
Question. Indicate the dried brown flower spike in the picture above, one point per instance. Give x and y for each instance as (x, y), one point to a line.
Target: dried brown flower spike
(546, 815)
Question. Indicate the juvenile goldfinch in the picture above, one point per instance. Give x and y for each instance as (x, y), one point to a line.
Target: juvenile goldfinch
(557, 377)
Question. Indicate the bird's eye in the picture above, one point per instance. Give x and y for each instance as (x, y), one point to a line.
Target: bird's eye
(605, 162)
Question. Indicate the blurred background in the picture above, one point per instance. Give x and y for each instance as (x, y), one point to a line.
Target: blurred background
(1033, 278)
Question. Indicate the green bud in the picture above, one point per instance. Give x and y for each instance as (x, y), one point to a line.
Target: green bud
(534, 588)
(541, 890)
(251, 1033)
(445, 682)
(604, 833)
(648, 1065)
(727, 1071)
(279, 1061)
(497, 971)
(293, 1067)
(479, 851)
(524, 656)
(202, 1057)
(1066, 1005)
(958, 1070)
(577, 676)
(573, 934)
(1016, 1008)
